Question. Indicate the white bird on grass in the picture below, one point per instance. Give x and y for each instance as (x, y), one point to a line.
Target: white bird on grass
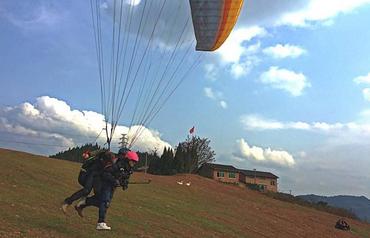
(180, 182)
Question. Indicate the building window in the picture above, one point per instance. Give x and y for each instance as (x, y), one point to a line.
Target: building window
(273, 183)
(232, 175)
(220, 174)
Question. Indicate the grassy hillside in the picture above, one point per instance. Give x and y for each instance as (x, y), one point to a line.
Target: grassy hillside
(33, 187)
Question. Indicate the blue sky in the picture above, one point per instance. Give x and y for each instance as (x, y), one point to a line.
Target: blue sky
(288, 92)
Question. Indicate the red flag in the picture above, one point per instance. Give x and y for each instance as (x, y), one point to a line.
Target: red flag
(191, 131)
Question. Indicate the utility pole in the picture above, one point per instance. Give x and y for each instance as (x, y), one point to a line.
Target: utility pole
(146, 162)
(107, 135)
(123, 141)
(255, 176)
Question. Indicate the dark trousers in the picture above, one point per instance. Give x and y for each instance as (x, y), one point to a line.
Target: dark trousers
(86, 179)
(101, 200)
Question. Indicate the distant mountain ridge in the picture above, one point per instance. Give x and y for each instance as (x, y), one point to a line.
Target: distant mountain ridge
(360, 205)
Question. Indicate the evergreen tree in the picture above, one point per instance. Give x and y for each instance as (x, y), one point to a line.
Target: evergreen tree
(75, 153)
(166, 162)
(179, 160)
(153, 163)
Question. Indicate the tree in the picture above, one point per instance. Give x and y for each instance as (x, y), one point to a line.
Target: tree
(189, 156)
(166, 163)
(154, 162)
(197, 152)
(179, 160)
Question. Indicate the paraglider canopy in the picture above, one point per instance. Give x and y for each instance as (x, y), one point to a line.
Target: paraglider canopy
(213, 21)
(145, 50)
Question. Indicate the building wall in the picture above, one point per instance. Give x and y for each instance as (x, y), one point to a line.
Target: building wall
(226, 178)
(206, 171)
(242, 178)
(271, 184)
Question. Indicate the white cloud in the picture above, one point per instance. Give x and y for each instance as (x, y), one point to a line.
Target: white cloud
(223, 104)
(216, 96)
(366, 94)
(298, 125)
(323, 126)
(365, 115)
(235, 55)
(257, 122)
(133, 2)
(263, 155)
(233, 49)
(30, 16)
(255, 18)
(52, 121)
(284, 51)
(362, 79)
(302, 154)
(298, 13)
(164, 33)
(243, 68)
(211, 71)
(320, 11)
(209, 93)
(255, 48)
(355, 132)
(238, 70)
(289, 81)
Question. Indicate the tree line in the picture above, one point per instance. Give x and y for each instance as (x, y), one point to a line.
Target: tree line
(75, 154)
(186, 157)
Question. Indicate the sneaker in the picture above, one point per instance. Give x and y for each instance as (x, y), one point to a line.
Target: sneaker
(65, 207)
(102, 226)
(79, 211)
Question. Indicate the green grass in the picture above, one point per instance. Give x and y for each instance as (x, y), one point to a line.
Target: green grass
(32, 189)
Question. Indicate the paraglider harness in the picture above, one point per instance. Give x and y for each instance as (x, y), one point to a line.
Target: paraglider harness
(97, 162)
(124, 178)
(120, 171)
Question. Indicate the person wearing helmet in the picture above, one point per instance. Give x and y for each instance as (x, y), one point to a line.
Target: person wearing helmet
(116, 173)
(90, 169)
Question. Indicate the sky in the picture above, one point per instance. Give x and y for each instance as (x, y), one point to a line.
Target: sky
(288, 92)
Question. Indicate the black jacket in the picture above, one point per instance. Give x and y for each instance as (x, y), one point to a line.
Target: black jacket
(117, 173)
(96, 161)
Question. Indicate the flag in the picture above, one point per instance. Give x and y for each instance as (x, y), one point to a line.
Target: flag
(191, 131)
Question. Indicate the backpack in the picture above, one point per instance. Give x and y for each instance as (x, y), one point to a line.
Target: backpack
(342, 225)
